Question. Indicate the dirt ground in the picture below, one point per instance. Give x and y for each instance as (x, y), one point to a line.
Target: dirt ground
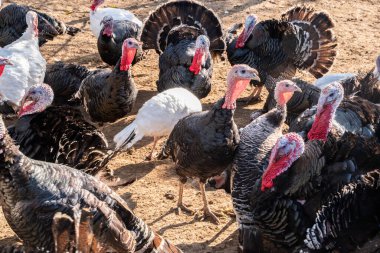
(357, 29)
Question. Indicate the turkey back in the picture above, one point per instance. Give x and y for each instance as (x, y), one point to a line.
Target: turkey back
(184, 19)
(315, 31)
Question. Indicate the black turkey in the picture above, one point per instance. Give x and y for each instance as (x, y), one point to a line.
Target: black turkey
(48, 188)
(112, 36)
(13, 24)
(58, 134)
(65, 80)
(110, 95)
(350, 218)
(202, 144)
(252, 155)
(184, 33)
(302, 39)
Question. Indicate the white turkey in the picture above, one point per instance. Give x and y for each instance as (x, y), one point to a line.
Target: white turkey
(97, 15)
(28, 64)
(158, 116)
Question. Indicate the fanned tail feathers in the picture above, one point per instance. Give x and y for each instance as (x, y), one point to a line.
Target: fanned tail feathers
(316, 49)
(179, 19)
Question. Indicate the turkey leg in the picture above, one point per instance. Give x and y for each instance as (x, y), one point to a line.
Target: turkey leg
(180, 205)
(206, 209)
(150, 156)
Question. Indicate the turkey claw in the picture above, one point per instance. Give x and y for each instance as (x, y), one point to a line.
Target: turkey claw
(208, 215)
(182, 208)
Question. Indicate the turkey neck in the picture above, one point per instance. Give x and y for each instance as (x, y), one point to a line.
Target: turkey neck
(220, 115)
(122, 80)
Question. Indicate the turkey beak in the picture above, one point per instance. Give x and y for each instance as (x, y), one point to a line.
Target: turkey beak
(137, 45)
(254, 75)
(297, 89)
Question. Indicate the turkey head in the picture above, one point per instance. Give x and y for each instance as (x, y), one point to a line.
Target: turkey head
(287, 149)
(284, 91)
(328, 102)
(238, 78)
(32, 22)
(202, 45)
(107, 23)
(129, 49)
(4, 61)
(249, 25)
(96, 4)
(37, 99)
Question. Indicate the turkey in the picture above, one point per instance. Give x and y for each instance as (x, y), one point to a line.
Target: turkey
(111, 39)
(48, 188)
(302, 184)
(252, 154)
(13, 25)
(28, 66)
(97, 14)
(58, 134)
(65, 80)
(158, 116)
(302, 39)
(110, 95)
(185, 34)
(202, 144)
(349, 220)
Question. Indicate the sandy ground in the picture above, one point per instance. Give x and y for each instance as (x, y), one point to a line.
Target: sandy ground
(357, 29)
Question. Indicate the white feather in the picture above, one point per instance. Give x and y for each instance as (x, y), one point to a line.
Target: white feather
(329, 78)
(117, 14)
(158, 116)
(28, 68)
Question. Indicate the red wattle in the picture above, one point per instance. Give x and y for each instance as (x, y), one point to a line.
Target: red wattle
(234, 92)
(127, 58)
(93, 7)
(274, 169)
(2, 69)
(196, 64)
(321, 126)
(25, 109)
(240, 41)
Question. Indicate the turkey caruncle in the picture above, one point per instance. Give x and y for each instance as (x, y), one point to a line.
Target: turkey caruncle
(185, 34)
(302, 39)
(59, 134)
(203, 144)
(32, 192)
(13, 25)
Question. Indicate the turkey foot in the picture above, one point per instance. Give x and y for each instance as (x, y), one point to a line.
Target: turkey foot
(207, 214)
(152, 153)
(253, 98)
(180, 206)
(206, 209)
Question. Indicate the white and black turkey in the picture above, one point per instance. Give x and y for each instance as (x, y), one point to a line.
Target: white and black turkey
(110, 95)
(303, 39)
(13, 25)
(185, 34)
(112, 36)
(97, 14)
(59, 134)
(28, 66)
(32, 192)
(203, 144)
(158, 116)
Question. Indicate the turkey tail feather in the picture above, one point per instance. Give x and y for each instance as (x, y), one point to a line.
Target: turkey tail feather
(316, 49)
(192, 17)
(128, 136)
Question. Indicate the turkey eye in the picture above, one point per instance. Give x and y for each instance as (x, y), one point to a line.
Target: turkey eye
(130, 43)
(331, 95)
(287, 85)
(243, 71)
